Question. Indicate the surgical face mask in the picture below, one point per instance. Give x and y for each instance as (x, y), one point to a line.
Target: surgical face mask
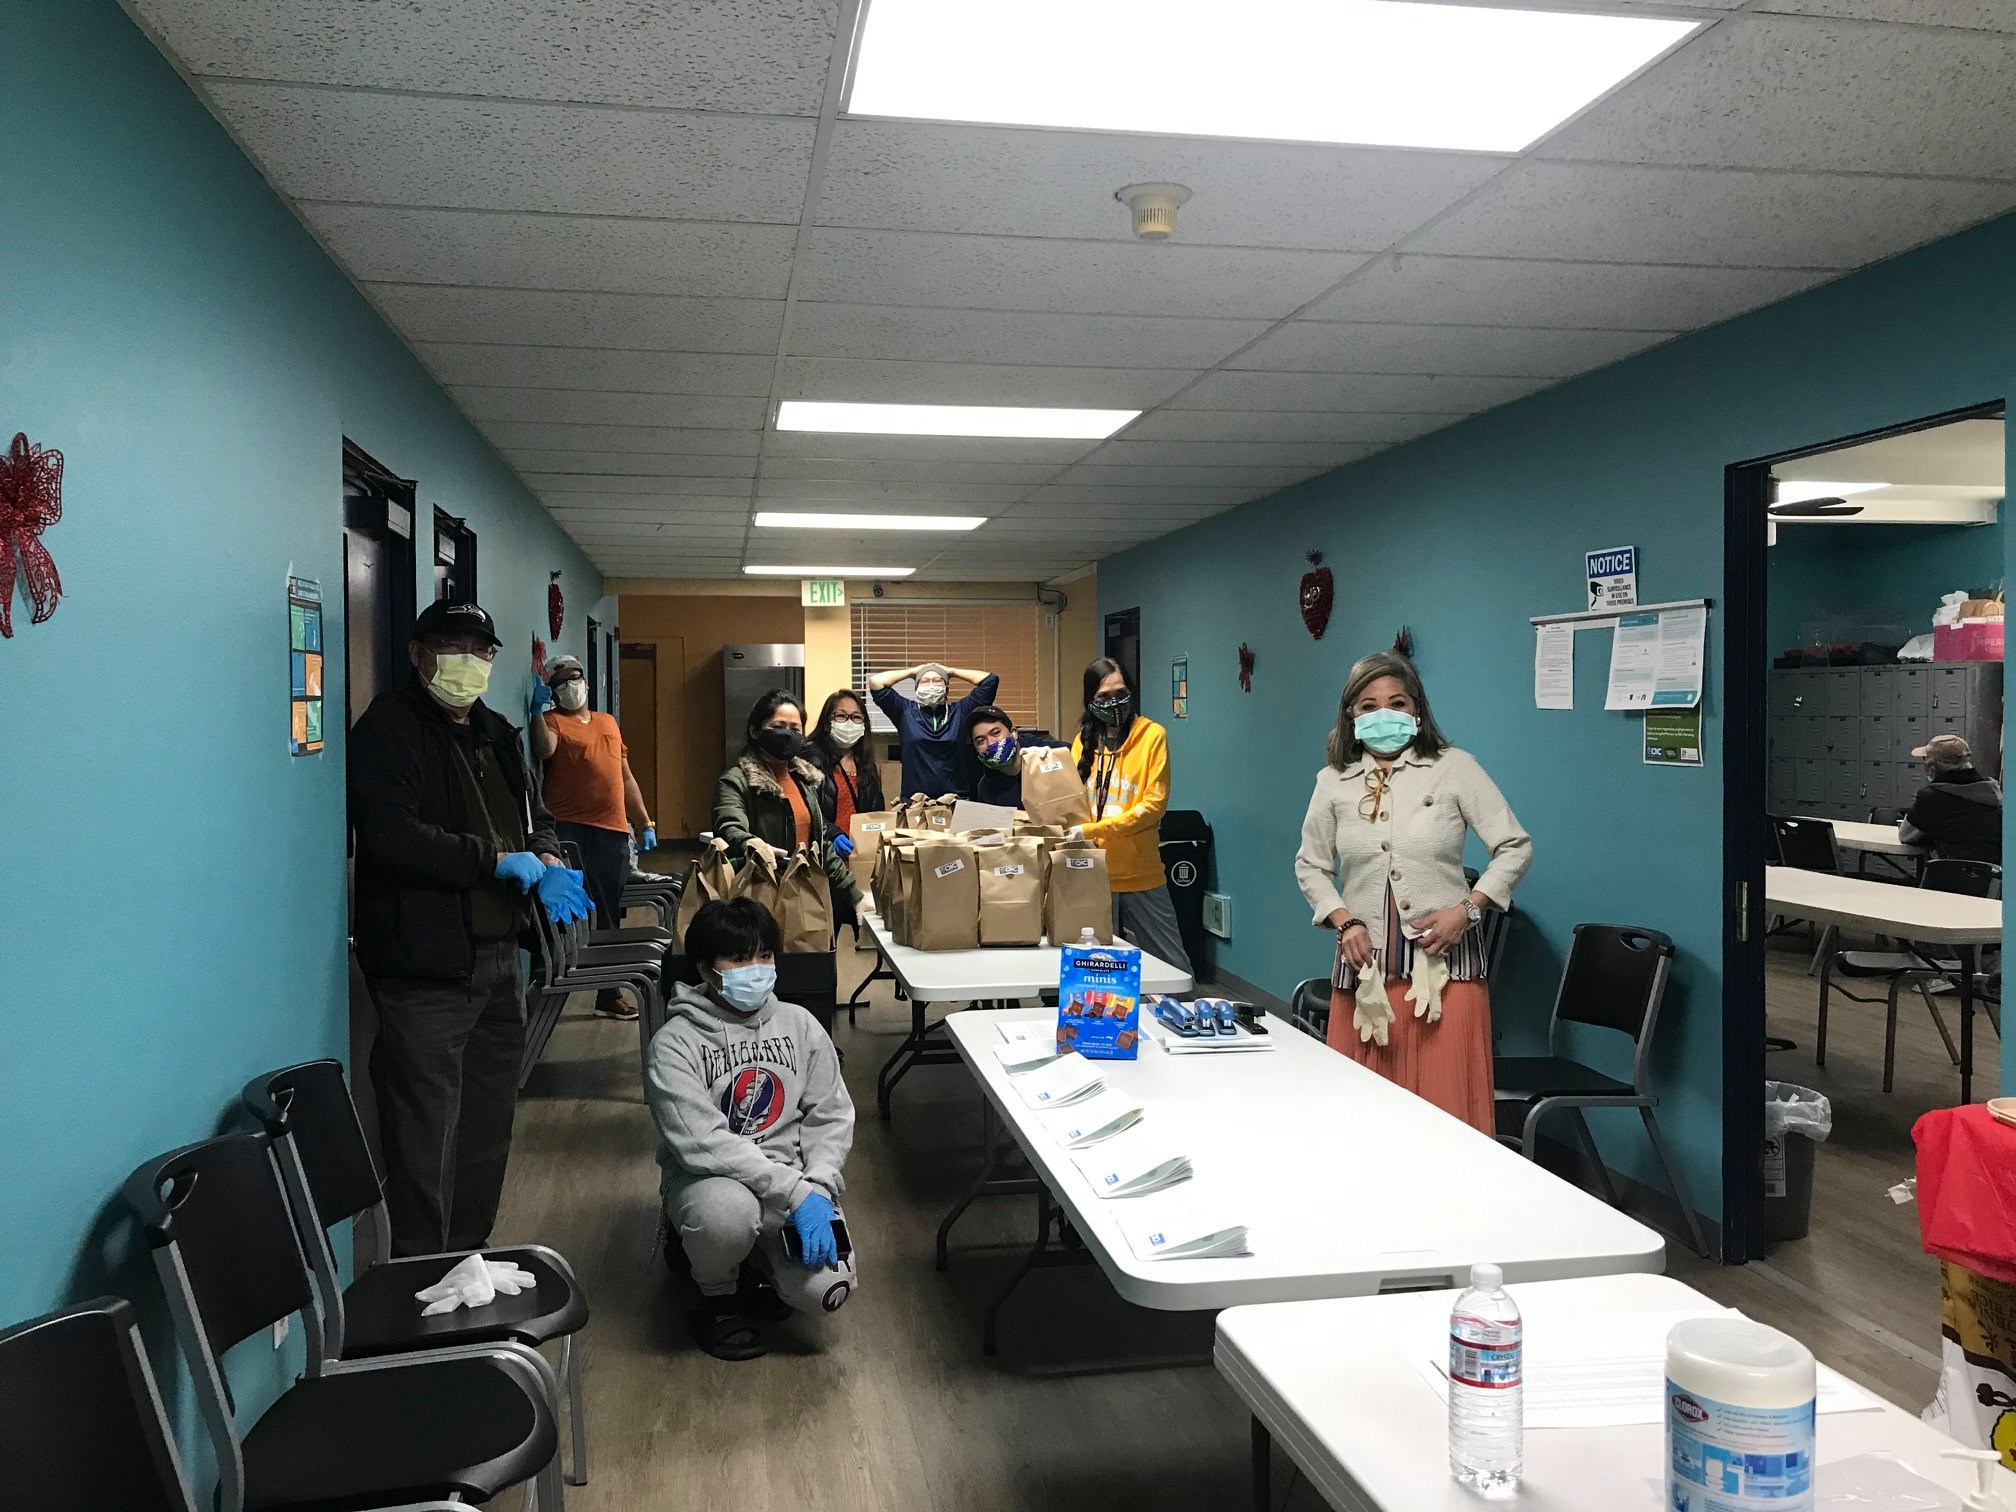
(1000, 753)
(747, 988)
(780, 743)
(930, 694)
(459, 678)
(571, 695)
(1111, 708)
(846, 732)
(1386, 730)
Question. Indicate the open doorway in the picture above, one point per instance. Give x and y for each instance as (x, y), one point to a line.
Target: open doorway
(1862, 771)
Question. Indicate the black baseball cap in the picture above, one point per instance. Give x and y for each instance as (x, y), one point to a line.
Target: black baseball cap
(444, 620)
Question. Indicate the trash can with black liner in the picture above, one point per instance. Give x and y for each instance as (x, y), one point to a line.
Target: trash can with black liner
(1186, 857)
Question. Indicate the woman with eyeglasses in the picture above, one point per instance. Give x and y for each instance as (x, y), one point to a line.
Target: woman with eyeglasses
(1381, 863)
(840, 748)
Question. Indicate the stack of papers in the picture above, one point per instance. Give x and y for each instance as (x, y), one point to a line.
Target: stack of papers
(1067, 1079)
(1096, 1118)
(1020, 1055)
(1131, 1164)
(1174, 1229)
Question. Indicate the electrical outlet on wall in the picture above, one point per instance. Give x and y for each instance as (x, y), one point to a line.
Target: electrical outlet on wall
(1218, 914)
(280, 1332)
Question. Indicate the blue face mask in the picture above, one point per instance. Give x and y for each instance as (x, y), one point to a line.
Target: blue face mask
(1386, 730)
(1000, 753)
(747, 988)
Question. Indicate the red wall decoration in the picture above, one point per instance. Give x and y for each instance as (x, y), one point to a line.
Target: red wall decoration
(556, 605)
(31, 500)
(1318, 590)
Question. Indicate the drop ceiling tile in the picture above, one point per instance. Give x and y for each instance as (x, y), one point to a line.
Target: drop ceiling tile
(1262, 425)
(750, 55)
(617, 484)
(539, 317)
(1251, 479)
(1987, 15)
(501, 250)
(1238, 455)
(1718, 217)
(913, 176)
(731, 512)
(666, 532)
(997, 336)
(523, 434)
(634, 464)
(597, 368)
(878, 493)
(975, 383)
(1338, 393)
(339, 144)
(1772, 92)
(1509, 291)
(1314, 346)
(922, 448)
(582, 406)
(1099, 494)
(1104, 277)
(1024, 473)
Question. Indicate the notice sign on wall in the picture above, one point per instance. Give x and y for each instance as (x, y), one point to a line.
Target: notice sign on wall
(1613, 577)
(304, 666)
(1673, 737)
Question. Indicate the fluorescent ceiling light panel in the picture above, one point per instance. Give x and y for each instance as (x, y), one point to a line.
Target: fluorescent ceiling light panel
(1799, 491)
(828, 572)
(1380, 73)
(773, 519)
(951, 420)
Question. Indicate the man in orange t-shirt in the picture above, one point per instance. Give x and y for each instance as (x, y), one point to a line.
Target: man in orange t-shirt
(592, 794)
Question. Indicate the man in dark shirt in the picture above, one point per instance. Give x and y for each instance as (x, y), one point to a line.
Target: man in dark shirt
(451, 841)
(1957, 815)
(999, 751)
(932, 726)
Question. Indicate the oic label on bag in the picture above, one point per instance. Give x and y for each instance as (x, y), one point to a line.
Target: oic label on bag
(1099, 1001)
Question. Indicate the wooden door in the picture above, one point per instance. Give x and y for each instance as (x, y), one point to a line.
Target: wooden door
(637, 673)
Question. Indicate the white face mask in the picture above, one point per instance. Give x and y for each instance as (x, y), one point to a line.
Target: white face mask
(846, 732)
(571, 695)
(931, 694)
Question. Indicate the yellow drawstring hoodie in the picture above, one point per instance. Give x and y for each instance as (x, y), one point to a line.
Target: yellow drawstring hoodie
(1136, 778)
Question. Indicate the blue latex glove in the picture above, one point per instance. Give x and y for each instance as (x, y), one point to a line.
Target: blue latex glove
(843, 844)
(542, 699)
(813, 1218)
(562, 895)
(650, 840)
(521, 867)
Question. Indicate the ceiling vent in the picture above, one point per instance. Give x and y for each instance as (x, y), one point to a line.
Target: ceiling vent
(1154, 207)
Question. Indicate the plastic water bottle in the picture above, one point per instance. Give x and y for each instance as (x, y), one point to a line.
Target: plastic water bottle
(1487, 1427)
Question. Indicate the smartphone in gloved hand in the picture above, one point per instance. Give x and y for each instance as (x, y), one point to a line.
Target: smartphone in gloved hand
(842, 1245)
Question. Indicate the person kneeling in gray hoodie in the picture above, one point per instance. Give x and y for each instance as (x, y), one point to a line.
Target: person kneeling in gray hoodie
(756, 1124)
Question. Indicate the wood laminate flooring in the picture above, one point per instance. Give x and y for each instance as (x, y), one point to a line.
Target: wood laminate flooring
(1092, 1403)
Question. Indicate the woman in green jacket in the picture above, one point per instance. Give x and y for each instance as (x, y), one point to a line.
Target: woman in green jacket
(770, 797)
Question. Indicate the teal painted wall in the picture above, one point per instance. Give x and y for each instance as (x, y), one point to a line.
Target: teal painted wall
(1467, 533)
(1872, 582)
(172, 906)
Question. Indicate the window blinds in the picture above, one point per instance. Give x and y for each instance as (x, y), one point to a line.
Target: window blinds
(998, 638)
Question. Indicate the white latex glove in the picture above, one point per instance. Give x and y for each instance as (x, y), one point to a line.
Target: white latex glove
(474, 1282)
(1424, 991)
(1075, 832)
(1372, 1010)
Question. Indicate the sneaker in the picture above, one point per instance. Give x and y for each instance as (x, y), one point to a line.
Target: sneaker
(619, 1008)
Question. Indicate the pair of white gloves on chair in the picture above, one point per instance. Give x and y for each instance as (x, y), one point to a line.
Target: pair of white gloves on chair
(475, 1282)
(1372, 1009)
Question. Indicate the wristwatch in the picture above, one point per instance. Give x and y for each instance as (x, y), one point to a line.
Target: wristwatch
(1474, 913)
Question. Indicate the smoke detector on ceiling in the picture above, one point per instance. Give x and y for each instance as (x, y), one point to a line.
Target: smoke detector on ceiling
(1154, 207)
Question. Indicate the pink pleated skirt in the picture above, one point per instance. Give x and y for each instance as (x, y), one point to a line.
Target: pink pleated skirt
(1447, 1062)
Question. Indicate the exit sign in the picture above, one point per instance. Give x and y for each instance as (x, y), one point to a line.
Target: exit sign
(823, 593)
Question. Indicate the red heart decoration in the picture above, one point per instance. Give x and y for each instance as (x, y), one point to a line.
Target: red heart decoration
(1319, 589)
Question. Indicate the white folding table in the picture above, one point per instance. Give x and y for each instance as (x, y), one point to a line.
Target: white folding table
(1922, 915)
(1874, 839)
(1349, 1184)
(996, 974)
(1336, 1385)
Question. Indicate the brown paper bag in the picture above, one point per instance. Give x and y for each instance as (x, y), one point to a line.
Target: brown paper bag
(910, 812)
(709, 877)
(868, 831)
(1052, 790)
(947, 914)
(805, 905)
(1077, 894)
(1029, 827)
(937, 814)
(1011, 892)
(757, 879)
(902, 913)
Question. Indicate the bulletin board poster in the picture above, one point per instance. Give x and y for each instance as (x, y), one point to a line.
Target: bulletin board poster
(1673, 737)
(304, 666)
(1179, 687)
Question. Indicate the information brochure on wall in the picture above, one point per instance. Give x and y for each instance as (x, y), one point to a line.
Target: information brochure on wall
(1613, 577)
(1099, 1001)
(1656, 660)
(1673, 737)
(304, 666)
(1553, 666)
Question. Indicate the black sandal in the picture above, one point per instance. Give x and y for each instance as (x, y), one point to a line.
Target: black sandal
(758, 1299)
(719, 1326)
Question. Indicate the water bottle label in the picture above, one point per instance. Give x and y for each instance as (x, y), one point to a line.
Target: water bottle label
(1721, 1458)
(1484, 1353)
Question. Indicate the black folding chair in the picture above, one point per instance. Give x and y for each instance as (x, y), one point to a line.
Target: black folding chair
(468, 1423)
(329, 1175)
(1615, 978)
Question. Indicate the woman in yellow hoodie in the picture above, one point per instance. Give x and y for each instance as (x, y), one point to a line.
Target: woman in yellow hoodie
(1123, 756)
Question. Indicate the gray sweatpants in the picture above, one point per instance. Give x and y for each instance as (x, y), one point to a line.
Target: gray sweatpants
(1149, 920)
(721, 1225)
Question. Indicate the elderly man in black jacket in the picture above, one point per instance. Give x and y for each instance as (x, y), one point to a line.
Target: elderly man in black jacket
(452, 841)
(1957, 815)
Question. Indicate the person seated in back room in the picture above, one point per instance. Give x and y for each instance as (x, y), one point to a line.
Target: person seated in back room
(1957, 815)
(1000, 753)
(756, 1125)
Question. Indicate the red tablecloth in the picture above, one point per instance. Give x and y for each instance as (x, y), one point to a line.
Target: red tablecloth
(1967, 1189)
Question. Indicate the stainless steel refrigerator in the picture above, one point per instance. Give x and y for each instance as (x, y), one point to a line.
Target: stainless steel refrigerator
(747, 673)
